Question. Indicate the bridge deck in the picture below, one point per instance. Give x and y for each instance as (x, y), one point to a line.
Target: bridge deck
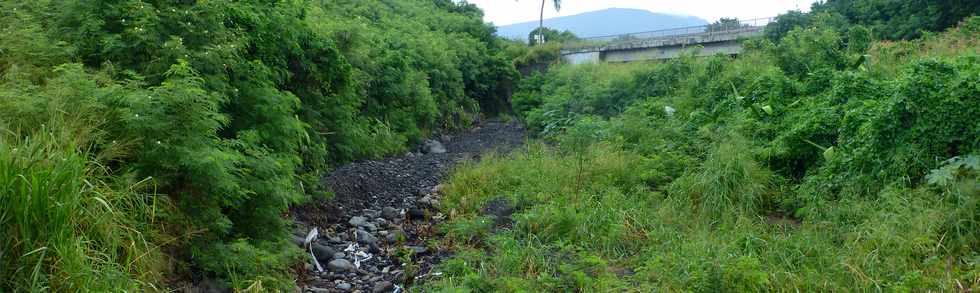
(661, 44)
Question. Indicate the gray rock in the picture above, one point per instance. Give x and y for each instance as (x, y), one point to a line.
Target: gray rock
(371, 214)
(317, 290)
(322, 252)
(374, 248)
(363, 237)
(438, 188)
(344, 286)
(383, 287)
(340, 265)
(429, 200)
(391, 213)
(339, 255)
(433, 147)
(395, 236)
(358, 221)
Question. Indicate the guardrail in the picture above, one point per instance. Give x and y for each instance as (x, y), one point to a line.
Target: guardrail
(719, 28)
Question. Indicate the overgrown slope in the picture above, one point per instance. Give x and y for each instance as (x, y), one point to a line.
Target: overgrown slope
(218, 113)
(813, 163)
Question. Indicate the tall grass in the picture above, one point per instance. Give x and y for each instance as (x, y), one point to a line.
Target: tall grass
(620, 236)
(65, 228)
(728, 182)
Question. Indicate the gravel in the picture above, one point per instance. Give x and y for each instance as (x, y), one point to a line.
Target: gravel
(394, 200)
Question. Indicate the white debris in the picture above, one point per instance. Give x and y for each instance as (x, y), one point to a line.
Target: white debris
(311, 236)
(361, 256)
(309, 239)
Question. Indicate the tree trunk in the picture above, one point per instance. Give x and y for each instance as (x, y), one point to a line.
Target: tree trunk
(540, 39)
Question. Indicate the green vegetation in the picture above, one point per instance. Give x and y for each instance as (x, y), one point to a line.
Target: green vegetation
(148, 143)
(892, 20)
(822, 161)
(143, 142)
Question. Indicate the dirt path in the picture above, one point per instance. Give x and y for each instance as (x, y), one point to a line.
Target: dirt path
(382, 214)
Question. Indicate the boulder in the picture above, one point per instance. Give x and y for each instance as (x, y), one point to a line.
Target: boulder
(382, 287)
(358, 221)
(340, 265)
(323, 253)
(363, 237)
(391, 213)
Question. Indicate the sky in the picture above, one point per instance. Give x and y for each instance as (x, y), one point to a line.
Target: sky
(504, 12)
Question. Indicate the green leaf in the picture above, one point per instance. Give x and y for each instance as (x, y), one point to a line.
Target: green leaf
(767, 109)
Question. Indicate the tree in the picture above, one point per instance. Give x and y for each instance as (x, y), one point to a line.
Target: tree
(892, 20)
(725, 24)
(550, 35)
(785, 23)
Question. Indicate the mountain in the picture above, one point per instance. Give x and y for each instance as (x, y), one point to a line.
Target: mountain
(605, 22)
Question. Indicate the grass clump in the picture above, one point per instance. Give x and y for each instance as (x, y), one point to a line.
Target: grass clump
(729, 182)
(67, 227)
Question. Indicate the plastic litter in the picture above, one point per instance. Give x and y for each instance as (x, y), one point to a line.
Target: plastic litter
(309, 239)
(361, 256)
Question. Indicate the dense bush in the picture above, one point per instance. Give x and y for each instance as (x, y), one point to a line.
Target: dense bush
(892, 20)
(230, 111)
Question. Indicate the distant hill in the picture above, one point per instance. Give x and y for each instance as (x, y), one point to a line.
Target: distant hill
(611, 21)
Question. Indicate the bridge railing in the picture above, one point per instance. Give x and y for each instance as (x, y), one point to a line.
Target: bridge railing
(719, 28)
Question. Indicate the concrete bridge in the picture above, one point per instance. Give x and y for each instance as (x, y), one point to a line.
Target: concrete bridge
(719, 38)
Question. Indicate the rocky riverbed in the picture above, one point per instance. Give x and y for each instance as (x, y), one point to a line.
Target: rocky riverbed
(378, 232)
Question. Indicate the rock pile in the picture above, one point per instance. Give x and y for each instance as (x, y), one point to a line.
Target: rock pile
(377, 233)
